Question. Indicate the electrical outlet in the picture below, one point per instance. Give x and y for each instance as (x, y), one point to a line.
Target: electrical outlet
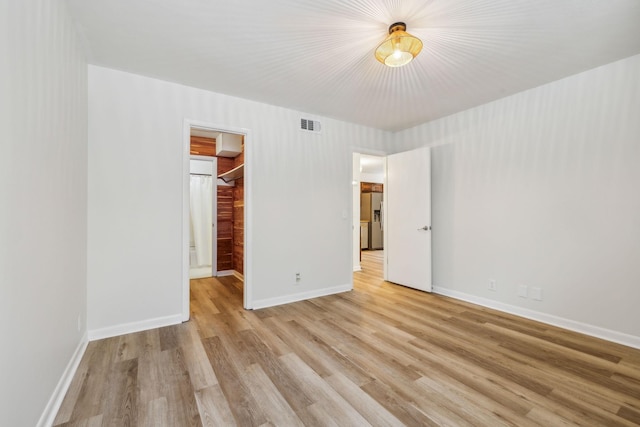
(536, 293)
(297, 278)
(492, 285)
(522, 291)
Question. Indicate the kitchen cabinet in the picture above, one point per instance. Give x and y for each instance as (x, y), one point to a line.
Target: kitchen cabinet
(371, 187)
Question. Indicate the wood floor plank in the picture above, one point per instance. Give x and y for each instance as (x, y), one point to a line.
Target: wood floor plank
(314, 385)
(262, 328)
(95, 421)
(121, 401)
(630, 414)
(400, 407)
(73, 393)
(501, 394)
(465, 414)
(273, 403)
(283, 380)
(98, 359)
(213, 407)
(476, 409)
(302, 346)
(542, 417)
(319, 415)
(381, 355)
(168, 337)
(369, 408)
(345, 365)
(156, 413)
(597, 415)
(243, 406)
(150, 367)
(183, 409)
(196, 361)
(487, 360)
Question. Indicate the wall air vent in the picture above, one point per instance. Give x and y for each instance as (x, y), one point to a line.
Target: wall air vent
(310, 125)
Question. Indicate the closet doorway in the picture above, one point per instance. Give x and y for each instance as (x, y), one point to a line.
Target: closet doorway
(214, 212)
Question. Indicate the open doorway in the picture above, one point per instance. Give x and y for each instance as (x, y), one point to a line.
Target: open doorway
(225, 151)
(406, 216)
(368, 208)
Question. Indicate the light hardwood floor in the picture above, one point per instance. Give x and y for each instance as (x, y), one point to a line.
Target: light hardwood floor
(380, 355)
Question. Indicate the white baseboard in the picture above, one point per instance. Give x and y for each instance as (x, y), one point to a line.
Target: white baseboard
(200, 272)
(53, 406)
(357, 268)
(128, 328)
(270, 302)
(572, 325)
(234, 273)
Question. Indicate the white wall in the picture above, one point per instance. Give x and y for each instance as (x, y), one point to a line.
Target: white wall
(301, 187)
(378, 178)
(543, 189)
(43, 208)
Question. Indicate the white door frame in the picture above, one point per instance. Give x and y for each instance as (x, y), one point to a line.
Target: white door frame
(355, 214)
(186, 155)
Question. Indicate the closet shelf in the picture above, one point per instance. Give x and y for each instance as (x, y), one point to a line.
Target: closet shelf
(233, 174)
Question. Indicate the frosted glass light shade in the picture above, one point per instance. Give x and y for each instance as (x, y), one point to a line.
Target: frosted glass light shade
(399, 48)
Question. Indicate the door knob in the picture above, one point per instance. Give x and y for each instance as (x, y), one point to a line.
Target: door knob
(425, 228)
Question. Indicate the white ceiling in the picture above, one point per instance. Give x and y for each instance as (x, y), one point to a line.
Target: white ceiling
(316, 56)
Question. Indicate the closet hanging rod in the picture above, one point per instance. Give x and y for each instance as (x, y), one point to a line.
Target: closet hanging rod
(200, 174)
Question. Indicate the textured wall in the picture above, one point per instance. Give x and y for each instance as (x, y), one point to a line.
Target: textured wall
(542, 189)
(43, 208)
(300, 183)
(533, 189)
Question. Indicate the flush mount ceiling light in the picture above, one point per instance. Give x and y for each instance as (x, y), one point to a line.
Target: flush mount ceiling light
(399, 48)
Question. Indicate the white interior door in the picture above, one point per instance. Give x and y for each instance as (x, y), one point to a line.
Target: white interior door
(408, 219)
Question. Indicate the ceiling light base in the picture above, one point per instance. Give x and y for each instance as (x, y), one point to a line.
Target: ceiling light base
(398, 26)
